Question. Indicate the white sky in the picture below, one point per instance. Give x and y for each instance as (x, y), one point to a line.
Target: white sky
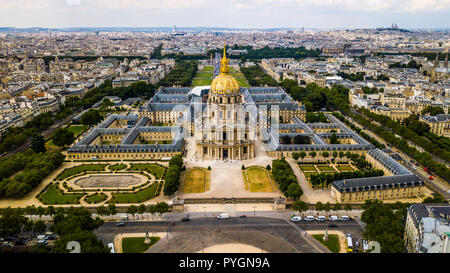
(225, 13)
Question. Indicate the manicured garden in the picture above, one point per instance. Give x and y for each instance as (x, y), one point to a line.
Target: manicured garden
(137, 197)
(332, 243)
(137, 244)
(118, 167)
(196, 180)
(77, 129)
(201, 82)
(154, 169)
(52, 195)
(80, 169)
(95, 198)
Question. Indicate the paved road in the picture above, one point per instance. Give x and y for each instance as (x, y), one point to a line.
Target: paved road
(272, 235)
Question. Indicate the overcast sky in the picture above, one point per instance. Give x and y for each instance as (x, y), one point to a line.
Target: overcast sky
(225, 13)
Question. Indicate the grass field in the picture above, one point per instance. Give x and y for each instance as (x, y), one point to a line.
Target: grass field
(332, 243)
(136, 244)
(117, 167)
(344, 168)
(80, 169)
(137, 197)
(242, 82)
(52, 196)
(77, 129)
(257, 180)
(208, 68)
(307, 168)
(95, 198)
(197, 180)
(325, 168)
(154, 169)
(201, 82)
(201, 74)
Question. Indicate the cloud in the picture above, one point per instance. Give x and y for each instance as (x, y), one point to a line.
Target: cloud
(74, 2)
(349, 5)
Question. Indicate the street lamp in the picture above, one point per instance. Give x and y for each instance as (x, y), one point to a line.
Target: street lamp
(254, 211)
(204, 210)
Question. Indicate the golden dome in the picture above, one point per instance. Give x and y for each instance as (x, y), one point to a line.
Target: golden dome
(224, 83)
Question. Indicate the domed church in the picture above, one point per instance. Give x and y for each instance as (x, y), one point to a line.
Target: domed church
(226, 132)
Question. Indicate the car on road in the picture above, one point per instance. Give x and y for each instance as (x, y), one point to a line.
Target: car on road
(321, 218)
(223, 216)
(42, 237)
(121, 224)
(243, 216)
(185, 219)
(431, 178)
(310, 218)
(296, 218)
(333, 218)
(344, 218)
(332, 225)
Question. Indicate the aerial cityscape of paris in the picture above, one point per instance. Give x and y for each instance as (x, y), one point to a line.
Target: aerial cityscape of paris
(237, 126)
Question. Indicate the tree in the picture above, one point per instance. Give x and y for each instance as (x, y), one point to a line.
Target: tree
(347, 207)
(91, 117)
(325, 154)
(337, 207)
(11, 222)
(327, 207)
(295, 155)
(40, 211)
(132, 210)
(302, 154)
(335, 154)
(142, 209)
(334, 139)
(39, 226)
(112, 209)
(312, 154)
(433, 110)
(294, 191)
(268, 167)
(63, 137)
(319, 207)
(300, 206)
(161, 208)
(38, 144)
(101, 211)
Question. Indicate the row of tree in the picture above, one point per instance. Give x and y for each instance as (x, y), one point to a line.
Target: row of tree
(315, 117)
(181, 75)
(257, 77)
(172, 176)
(32, 168)
(325, 179)
(286, 179)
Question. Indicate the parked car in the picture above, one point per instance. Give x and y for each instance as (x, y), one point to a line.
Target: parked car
(332, 225)
(344, 218)
(321, 218)
(43, 242)
(310, 218)
(223, 216)
(121, 224)
(42, 237)
(365, 245)
(185, 219)
(296, 218)
(333, 218)
(357, 243)
(243, 216)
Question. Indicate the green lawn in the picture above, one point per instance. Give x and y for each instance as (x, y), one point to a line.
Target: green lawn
(137, 197)
(96, 198)
(196, 180)
(344, 168)
(136, 244)
(80, 169)
(117, 167)
(208, 68)
(307, 168)
(258, 180)
(77, 129)
(201, 74)
(325, 168)
(53, 196)
(332, 243)
(154, 169)
(201, 82)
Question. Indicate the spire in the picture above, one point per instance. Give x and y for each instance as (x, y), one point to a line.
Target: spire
(224, 68)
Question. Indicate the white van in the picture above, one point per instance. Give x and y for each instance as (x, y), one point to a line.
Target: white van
(296, 218)
(223, 216)
(321, 218)
(333, 218)
(344, 218)
(42, 237)
(310, 218)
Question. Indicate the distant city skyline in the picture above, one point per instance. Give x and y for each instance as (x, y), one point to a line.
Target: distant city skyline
(320, 14)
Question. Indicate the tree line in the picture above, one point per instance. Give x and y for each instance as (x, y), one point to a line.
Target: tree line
(286, 179)
(172, 176)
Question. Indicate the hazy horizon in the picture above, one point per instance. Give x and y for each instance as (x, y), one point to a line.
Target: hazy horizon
(241, 14)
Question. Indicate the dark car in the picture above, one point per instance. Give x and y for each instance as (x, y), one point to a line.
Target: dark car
(51, 237)
(186, 219)
(121, 224)
(243, 216)
(332, 225)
